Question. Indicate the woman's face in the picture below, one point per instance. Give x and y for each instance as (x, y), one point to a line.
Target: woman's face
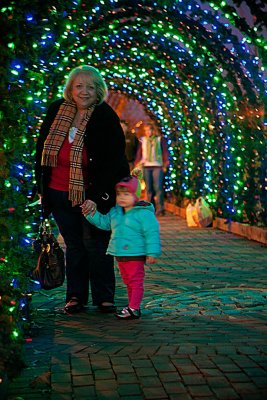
(148, 130)
(83, 91)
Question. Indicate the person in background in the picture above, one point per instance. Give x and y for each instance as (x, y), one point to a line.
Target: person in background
(135, 238)
(153, 156)
(131, 144)
(80, 154)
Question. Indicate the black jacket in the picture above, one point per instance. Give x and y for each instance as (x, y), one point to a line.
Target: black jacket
(105, 145)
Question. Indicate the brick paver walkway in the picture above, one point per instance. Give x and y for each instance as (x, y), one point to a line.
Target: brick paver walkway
(202, 335)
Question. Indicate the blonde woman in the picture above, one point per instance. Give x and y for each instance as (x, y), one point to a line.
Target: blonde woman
(80, 155)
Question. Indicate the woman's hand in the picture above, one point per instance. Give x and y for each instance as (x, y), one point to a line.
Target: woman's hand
(88, 207)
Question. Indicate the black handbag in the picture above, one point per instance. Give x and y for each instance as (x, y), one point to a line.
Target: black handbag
(50, 269)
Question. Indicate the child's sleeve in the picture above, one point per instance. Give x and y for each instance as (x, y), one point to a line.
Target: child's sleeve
(101, 221)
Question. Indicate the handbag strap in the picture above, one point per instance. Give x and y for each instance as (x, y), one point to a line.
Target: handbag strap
(45, 226)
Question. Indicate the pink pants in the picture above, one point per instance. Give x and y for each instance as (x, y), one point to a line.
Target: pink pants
(133, 274)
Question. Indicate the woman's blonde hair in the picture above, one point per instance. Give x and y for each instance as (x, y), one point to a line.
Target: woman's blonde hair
(92, 73)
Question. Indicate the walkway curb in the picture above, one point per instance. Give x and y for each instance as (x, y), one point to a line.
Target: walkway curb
(250, 232)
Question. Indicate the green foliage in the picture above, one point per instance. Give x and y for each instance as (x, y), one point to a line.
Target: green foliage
(11, 336)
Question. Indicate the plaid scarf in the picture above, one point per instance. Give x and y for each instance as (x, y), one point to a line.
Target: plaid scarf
(57, 134)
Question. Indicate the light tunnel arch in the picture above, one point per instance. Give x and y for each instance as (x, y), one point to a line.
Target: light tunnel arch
(197, 98)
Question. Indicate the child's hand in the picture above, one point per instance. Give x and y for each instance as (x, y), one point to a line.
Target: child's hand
(150, 260)
(88, 207)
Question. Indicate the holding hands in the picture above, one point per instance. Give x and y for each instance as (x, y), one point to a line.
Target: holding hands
(88, 207)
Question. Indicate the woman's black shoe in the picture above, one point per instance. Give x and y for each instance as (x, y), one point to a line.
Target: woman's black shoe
(73, 306)
(107, 309)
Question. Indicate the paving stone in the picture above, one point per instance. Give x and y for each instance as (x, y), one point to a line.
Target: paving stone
(169, 377)
(107, 394)
(244, 361)
(123, 369)
(146, 372)
(129, 389)
(211, 397)
(229, 368)
(60, 368)
(61, 377)
(150, 381)
(193, 380)
(217, 382)
(154, 393)
(225, 393)
(255, 372)
(127, 378)
(106, 384)
(121, 360)
(82, 392)
(132, 397)
(180, 396)
(142, 363)
(199, 390)
(61, 387)
(104, 374)
(259, 381)
(82, 380)
(237, 377)
(244, 387)
(175, 387)
(186, 369)
(164, 366)
(61, 396)
(211, 372)
(255, 396)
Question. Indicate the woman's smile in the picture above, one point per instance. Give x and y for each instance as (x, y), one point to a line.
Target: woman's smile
(83, 92)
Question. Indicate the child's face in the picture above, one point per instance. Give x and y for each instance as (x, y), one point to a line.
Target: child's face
(125, 199)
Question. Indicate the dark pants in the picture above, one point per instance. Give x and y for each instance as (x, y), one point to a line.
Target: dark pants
(154, 177)
(86, 258)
